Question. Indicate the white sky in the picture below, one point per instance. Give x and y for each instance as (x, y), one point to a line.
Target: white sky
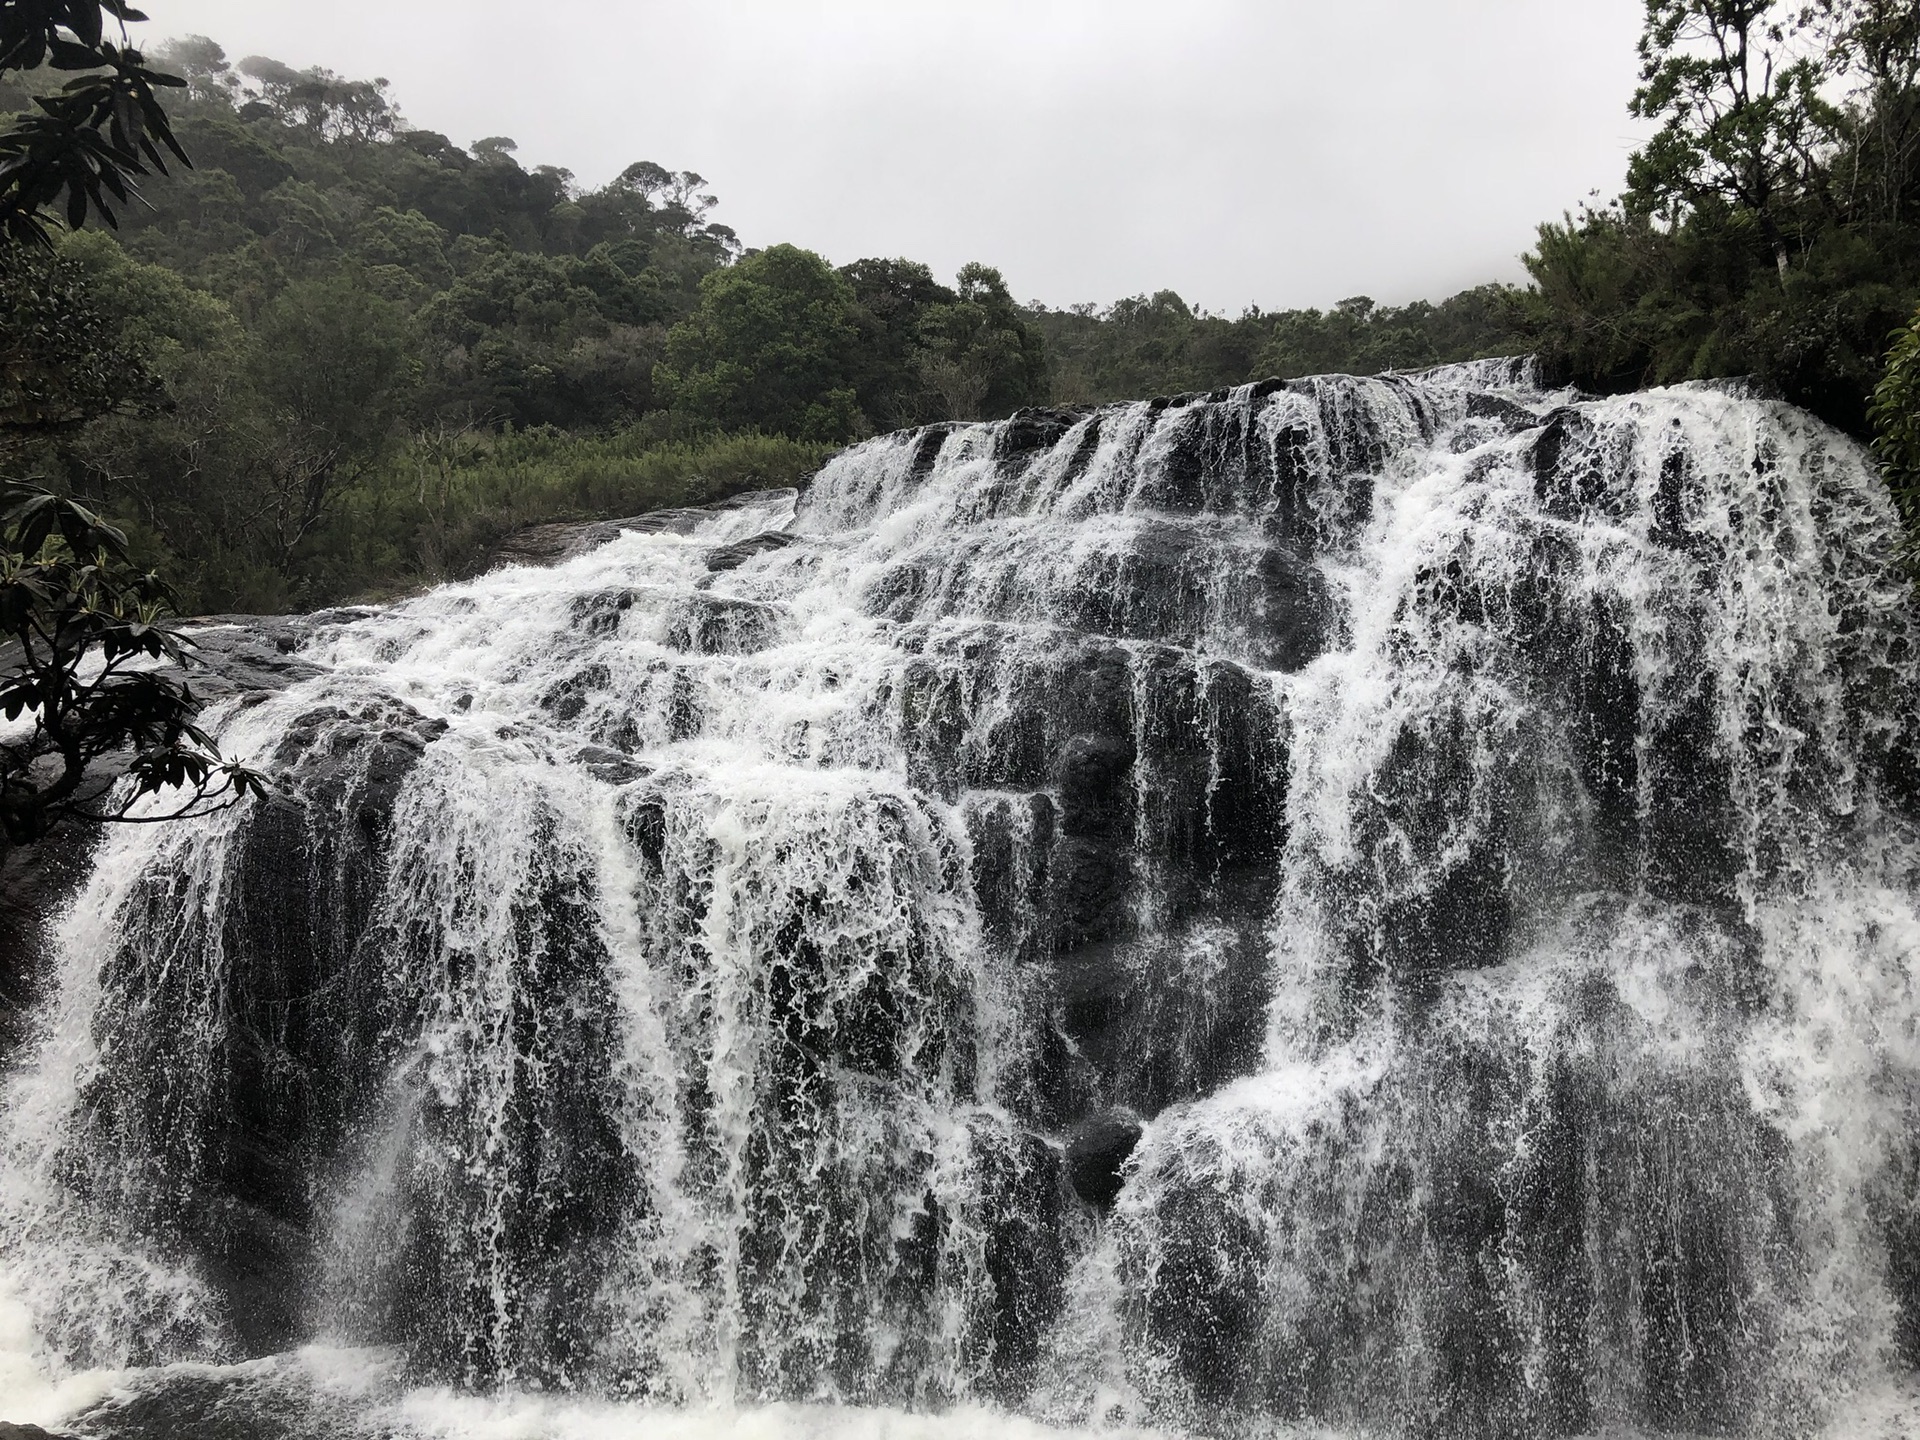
(1276, 152)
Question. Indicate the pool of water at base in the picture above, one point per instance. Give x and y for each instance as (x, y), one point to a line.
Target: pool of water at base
(320, 1393)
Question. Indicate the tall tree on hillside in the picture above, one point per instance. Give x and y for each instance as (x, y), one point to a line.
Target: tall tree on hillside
(1735, 87)
(332, 363)
(977, 355)
(928, 352)
(891, 302)
(1874, 46)
(771, 345)
(203, 64)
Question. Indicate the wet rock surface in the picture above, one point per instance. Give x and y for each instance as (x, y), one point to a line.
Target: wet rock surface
(35, 880)
(1097, 1153)
(552, 544)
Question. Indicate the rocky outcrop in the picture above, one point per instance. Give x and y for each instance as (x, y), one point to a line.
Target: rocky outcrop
(562, 541)
(1097, 1154)
(34, 881)
(229, 655)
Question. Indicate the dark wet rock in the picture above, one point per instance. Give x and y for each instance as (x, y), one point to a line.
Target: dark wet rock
(228, 655)
(334, 757)
(599, 615)
(1026, 1253)
(257, 654)
(243, 654)
(28, 1432)
(610, 765)
(35, 881)
(926, 450)
(1093, 777)
(242, 1199)
(1097, 1154)
(1509, 414)
(1012, 839)
(1295, 613)
(1091, 879)
(705, 624)
(566, 700)
(1028, 431)
(1571, 476)
(553, 544)
(732, 557)
(277, 1400)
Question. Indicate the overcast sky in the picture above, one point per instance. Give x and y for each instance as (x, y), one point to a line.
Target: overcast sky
(1271, 152)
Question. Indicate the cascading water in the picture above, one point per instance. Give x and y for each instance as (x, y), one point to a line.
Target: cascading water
(1464, 832)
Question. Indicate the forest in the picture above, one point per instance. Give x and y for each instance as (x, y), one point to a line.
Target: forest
(341, 356)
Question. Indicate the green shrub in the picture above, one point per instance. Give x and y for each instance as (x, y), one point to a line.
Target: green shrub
(436, 510)
(1896, 422)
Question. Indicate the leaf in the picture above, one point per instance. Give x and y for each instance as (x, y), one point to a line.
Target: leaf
(66, 55)
(83, 18)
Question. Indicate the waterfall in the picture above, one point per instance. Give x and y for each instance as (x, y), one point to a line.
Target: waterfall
(1385, 906)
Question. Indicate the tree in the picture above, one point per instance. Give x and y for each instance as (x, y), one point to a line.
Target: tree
(63, 361)
(326, 106)
(332, 360)
(771, 345)
(1874, 45)
(892, 299)
(202, 63)
(976, 353)
(1766, 229)
(1737, 96)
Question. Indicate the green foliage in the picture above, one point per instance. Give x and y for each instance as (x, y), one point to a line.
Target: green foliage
(92, 672)
(64, 360)
(535, 339)
(771, 346)
(1144, 346)
(438, 507)
(331, 358)
(1159, 344)
(1896, 421)
(926, 352)
(1740, 112)
(976, 354)
(539, 303)
(1766, 229)
(891, 298)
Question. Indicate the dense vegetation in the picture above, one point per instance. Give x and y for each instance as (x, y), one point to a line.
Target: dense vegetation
(342, 355)
(93, 689)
